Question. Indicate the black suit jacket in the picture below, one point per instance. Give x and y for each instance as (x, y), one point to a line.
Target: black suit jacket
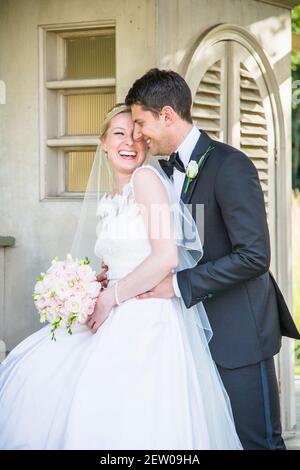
(245, 307)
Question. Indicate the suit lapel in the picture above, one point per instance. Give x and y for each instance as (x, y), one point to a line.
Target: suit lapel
(202, 145)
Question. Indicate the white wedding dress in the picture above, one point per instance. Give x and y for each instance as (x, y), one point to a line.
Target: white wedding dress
(132, 385)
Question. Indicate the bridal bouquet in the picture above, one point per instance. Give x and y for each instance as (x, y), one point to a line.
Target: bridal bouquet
(66, 294)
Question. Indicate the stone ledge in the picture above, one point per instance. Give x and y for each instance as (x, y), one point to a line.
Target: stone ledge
(7, 241)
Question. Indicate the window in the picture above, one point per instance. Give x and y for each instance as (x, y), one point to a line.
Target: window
(77, 88)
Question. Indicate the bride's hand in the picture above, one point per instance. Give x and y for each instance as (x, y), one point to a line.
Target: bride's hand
(103, 307)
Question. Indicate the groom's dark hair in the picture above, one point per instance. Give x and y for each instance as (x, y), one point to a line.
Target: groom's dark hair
(159, 88)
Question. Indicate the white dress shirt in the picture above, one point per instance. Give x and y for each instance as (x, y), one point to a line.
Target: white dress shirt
(185, 151)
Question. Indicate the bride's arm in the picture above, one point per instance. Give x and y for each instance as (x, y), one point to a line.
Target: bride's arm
(153, 199)
(152, 196)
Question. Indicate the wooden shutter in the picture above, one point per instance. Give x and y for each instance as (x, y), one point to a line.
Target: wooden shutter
(206, 110)
(253, 128)
(231, 103)
(209, 88)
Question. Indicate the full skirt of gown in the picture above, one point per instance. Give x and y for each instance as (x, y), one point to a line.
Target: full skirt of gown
(132, 385)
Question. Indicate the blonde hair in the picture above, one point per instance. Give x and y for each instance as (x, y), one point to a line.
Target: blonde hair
(117, 109)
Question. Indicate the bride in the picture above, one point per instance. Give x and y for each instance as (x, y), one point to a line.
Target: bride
(139, 374)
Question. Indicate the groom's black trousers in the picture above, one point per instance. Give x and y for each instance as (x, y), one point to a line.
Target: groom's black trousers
(253, 392)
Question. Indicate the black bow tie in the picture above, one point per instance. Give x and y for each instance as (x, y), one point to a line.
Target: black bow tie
(173, 162)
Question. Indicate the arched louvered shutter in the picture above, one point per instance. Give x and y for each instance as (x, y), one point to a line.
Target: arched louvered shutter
(210, 93)
(206, 110)
(254, 129)
(231, 103)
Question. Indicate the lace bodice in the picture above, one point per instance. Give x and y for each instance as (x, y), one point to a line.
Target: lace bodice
(122, 239)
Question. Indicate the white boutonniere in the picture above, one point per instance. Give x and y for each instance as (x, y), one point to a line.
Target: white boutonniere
(193, 167)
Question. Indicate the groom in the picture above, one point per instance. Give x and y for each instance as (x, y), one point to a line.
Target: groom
(245, 307)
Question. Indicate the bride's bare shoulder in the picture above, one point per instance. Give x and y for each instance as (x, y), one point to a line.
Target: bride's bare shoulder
(147, 180)
(147, 172)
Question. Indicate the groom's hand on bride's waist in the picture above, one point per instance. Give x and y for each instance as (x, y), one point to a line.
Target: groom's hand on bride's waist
(102, 277)
(163, 290)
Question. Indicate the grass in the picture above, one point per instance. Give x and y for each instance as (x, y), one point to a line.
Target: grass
(296, 272)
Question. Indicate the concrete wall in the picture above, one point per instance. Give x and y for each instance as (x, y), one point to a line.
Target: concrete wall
(44, 228)
(182, 22)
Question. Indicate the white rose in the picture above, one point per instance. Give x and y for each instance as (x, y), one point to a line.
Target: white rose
(192, 169)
